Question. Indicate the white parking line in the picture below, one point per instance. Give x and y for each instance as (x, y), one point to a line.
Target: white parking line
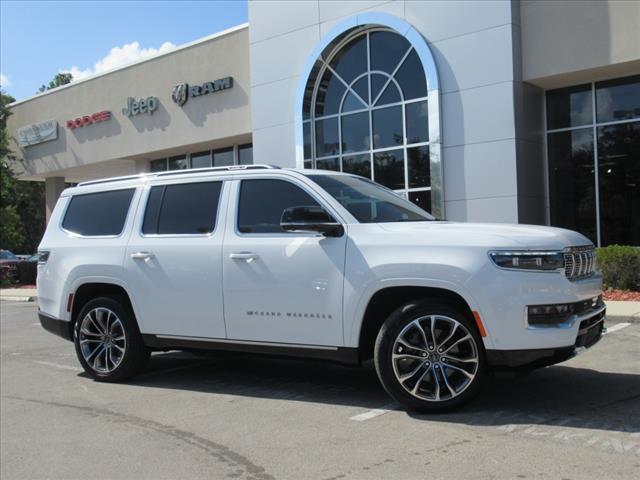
(616, 327)
(57, 365)
(376, 412)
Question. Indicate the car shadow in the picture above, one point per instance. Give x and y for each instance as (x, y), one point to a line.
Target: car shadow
(558, 395)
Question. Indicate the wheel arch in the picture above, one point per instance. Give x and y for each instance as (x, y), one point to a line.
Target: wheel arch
(385, 300)
(89, 290)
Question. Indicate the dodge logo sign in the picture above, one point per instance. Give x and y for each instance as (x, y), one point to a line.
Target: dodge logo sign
(179, 93)
(182, 92)
(85, 120)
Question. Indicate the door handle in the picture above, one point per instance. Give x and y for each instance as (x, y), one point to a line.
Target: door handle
(142, 255)
(247, 256)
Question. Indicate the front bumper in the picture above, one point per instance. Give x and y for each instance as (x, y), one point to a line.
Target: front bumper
(590, 331)
(56, 326)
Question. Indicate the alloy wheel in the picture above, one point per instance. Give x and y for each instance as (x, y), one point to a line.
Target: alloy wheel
(435, 358)
(102, 340)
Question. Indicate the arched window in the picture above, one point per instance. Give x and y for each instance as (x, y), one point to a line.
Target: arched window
(365, 111)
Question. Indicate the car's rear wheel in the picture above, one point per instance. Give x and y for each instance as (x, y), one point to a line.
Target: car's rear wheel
(429, 356)
(108, 342)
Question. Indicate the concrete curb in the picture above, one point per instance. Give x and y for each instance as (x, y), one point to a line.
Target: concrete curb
(609, 319)
(14, 298)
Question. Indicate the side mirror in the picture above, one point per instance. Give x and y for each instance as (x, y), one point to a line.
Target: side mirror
(310, 219)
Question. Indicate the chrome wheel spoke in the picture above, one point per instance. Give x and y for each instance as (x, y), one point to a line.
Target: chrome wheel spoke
(448, 385)
(461, 360)
(415, 388)
(96, 352)
(406, 376)
(449, 337)
(461, 370)
(102, 340)
(90, 334)
(94, 322)
(433, 374)
(458, 342)
(422, 334)
(410, 356)
(101, 320)
(436, 382)
(409, 346)
(432, 321)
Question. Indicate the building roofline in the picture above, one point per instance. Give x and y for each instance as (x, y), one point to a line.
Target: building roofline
(179, 48)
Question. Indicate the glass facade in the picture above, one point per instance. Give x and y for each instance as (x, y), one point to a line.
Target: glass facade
(217, 158)
(593, 149)
(365, 112)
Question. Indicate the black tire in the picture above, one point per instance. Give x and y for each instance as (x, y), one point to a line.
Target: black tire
(395, 325)
(136, 354)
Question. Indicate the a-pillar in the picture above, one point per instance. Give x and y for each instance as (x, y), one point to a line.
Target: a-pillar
(53, 188)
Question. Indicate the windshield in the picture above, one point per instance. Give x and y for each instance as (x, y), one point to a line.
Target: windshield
(368, 201)
(7, 255)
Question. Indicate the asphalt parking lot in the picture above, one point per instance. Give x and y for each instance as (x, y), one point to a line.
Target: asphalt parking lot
(263, 418)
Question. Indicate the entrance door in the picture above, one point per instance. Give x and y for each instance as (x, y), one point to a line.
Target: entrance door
(280, 286)
(173, 263)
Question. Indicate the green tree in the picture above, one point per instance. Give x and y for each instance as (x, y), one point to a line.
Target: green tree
(22, 214)
(10, 228)
(59, 80)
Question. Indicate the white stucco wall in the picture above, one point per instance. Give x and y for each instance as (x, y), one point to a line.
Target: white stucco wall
(473, 45)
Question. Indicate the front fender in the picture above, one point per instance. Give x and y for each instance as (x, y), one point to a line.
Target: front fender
(352, 330)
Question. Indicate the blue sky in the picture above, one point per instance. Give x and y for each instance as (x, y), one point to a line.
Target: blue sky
(40, 38)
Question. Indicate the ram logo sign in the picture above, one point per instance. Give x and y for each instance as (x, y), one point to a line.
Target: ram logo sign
(179, 93)
(182, 91)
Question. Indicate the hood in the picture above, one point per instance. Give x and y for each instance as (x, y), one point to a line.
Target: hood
(495, 235)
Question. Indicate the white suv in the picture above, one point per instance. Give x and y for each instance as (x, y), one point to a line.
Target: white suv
(314, 264)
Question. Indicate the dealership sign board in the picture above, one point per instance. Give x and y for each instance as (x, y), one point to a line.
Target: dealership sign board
(182, 92)
(85, 120)
(37, 133)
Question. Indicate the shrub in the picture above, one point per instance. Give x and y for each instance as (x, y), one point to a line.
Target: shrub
(27, 272)
(620, 266)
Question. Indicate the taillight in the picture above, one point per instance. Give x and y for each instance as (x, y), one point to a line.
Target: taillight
(43, 256)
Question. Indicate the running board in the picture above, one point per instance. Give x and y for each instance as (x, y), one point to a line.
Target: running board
(344, 355)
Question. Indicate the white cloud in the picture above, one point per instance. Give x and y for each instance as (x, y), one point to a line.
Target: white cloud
(4, 80)
(117, 57)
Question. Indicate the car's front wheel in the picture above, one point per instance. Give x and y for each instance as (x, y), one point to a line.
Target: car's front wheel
(108, 342)
(429, 356)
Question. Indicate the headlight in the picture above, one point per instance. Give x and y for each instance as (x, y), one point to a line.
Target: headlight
(525, 260)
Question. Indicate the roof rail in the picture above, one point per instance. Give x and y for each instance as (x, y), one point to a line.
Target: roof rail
(189, 171)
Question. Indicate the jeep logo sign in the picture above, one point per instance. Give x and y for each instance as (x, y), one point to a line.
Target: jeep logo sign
(182, 92)
(144, 105)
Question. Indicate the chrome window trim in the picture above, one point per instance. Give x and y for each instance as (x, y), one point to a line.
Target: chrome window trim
(300, 185)
(71, 234)
(337, 35)
(146, 191)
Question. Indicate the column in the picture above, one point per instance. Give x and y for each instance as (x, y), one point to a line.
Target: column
(53, 188)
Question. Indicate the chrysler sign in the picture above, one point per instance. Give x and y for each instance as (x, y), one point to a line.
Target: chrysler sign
(182, 92)
(37, 133)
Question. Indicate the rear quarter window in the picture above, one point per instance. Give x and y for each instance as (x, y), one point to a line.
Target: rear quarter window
(98, 214)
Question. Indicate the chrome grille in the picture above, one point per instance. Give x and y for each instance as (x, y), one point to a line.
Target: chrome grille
(579, 262)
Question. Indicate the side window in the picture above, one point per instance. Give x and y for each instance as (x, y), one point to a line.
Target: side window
(263, 201)
(188, 208)
(95, 214)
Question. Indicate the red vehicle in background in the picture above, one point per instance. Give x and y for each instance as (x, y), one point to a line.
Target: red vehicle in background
(8, 267)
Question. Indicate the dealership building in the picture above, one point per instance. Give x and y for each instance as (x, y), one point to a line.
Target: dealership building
(490, 111)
